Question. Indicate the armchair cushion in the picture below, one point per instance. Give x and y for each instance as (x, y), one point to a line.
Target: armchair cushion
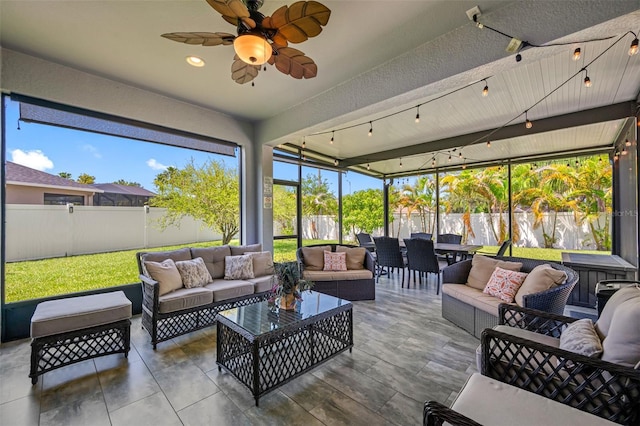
(314, 257)
(622, 344)
(619, 297)
(213, 258)
(541, 278)
(355, 256)
(482, 267)
(504, 284)
(193, 273)
(335, 261)
(166, 274)
(581, 337)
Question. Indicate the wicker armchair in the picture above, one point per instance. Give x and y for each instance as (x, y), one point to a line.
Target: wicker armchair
(605, 389)
(423, 235)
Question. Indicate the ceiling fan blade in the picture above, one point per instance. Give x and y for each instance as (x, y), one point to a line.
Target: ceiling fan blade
(205, 39)
(294, 63)
(232, 10)
(241, 72)
(300, 21)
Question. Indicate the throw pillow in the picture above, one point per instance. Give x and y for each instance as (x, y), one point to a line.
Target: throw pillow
(482, 267)
(335, 261)
(238, 267)
(314, 257)
(580, 337)
(194, 272)
(622, 344)
(619, 297)
(504, 284)
(355, 256)
(262, 263)
(541, 278)
(166, 274)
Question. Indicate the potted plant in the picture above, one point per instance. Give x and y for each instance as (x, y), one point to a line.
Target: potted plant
(288, 285)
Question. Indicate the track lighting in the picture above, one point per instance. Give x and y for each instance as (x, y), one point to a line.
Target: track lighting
(418, 114)
(527, 123)
(304, 143)
(488, 144)
(370, 128)
(460, 155)
(576, 54)
(633, 49)
(332, 134)
(485, 91)
(368, 166)
(587, 80)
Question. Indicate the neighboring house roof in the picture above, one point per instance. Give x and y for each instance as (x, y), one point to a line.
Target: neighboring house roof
(115, 188)
(18, 174)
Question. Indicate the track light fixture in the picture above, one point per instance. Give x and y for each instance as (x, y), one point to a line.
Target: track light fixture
(370, 128)
(633, 49)
(332, 135)
(368, 166)
(587, 80)
(485, 91)
(527, 123)
(418, 114)
(576, 54)
(460, 155)
(304, 143)
(488, 144)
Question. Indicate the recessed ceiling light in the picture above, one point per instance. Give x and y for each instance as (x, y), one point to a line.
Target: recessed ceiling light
(195, 61)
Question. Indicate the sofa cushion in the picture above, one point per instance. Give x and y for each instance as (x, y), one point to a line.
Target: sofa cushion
(335, 261)
(261, 284)
(175, 255)
(622, 344)
(504, 284)
(474, 297)
(185, 298)
(541, 278)
(262, 263)
(213, 258)
(580, 337)
(314, 257)
(604, 321)
(349, 275)
(482, 267)
(193, 272)
(355, 256)
(238, 250)
(229, 289)
(166, 274)
(238, 267)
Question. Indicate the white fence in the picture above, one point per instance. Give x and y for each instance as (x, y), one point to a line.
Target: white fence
(38, 232)
(569, 235)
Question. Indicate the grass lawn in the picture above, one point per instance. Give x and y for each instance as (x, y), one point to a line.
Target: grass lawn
(40, 278)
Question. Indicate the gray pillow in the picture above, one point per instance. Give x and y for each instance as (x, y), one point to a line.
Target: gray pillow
(581, 337)
(167, 275)
(194, 272)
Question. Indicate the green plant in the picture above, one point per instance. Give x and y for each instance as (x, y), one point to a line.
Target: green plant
(287, 280)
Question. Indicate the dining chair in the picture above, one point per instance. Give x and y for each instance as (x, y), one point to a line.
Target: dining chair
(450, 239)
(365, 240)
(389, 255)
(501, 251)
(421, 257)
(423, 235)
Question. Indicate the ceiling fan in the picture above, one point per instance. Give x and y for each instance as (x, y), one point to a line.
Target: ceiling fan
(262, 38)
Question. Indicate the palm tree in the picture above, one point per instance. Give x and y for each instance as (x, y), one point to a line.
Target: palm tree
(317, 200)
(426, 202)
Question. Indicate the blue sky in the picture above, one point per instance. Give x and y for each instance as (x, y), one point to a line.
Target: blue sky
(54, 150)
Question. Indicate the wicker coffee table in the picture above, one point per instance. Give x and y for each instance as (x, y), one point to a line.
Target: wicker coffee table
(265, 347)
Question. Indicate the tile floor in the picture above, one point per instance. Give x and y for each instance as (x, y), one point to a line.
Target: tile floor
(404, 354)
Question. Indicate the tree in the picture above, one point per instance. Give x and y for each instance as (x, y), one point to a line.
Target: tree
(284, 208)
(86, 179)
(65, 175)
(317, 200)
(127, 183)
(363, 211)
(209, 193)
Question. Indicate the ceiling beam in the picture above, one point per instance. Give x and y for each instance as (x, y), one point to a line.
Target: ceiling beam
(575, 119)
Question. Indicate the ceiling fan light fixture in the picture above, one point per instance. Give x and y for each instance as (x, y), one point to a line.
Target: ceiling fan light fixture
(195, 61)
(252, 49)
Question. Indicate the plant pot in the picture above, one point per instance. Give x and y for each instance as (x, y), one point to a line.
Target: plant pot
(288, 302)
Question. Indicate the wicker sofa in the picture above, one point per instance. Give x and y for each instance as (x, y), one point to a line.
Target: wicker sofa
(181, 308)
(355, 283)
(473, 310)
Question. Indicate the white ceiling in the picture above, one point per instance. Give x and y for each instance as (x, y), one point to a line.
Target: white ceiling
(374, 58)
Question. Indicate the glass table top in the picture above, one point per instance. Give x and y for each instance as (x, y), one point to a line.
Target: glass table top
(261, 318)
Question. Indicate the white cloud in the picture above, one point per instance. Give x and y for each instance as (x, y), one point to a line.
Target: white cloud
(35, 159)
(92, 150)
(155, 165)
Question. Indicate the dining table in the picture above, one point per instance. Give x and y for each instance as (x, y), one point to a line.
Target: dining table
(463, 250)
